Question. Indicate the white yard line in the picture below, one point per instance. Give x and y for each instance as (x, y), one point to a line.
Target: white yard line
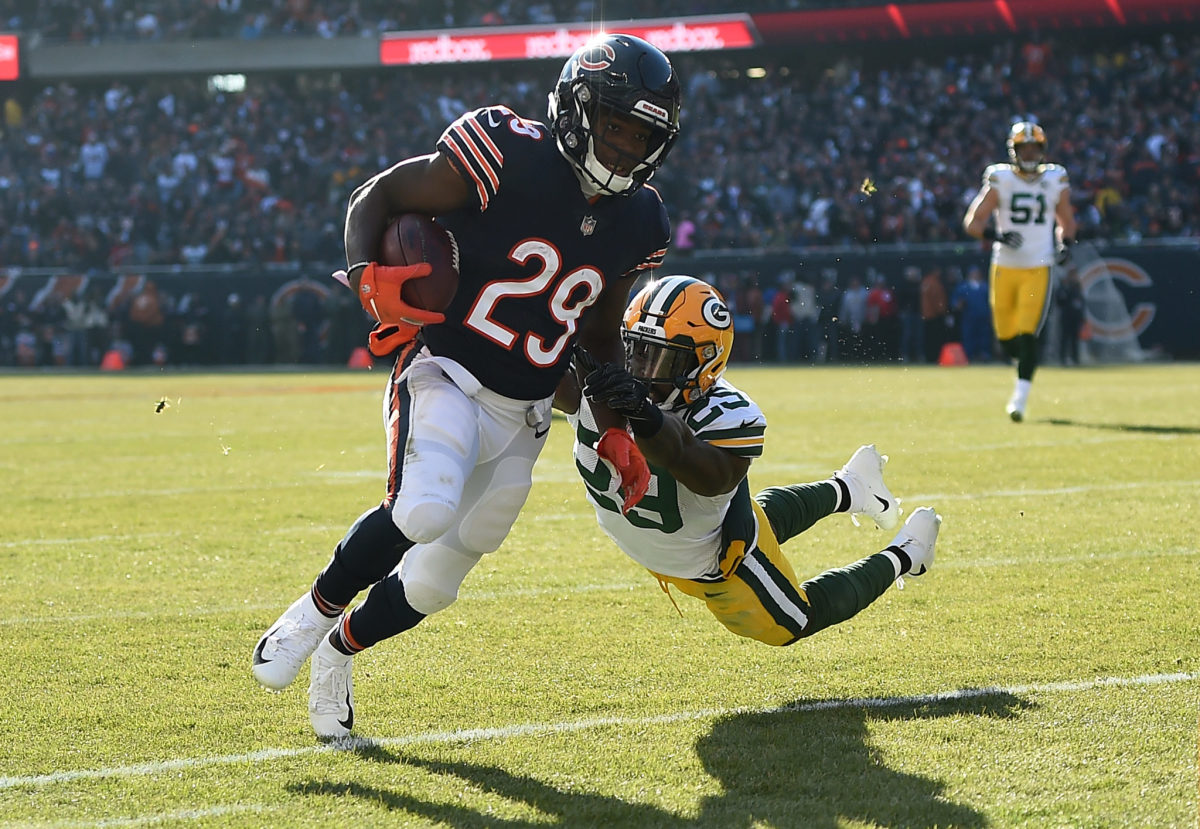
(571, 726)
(151, 820)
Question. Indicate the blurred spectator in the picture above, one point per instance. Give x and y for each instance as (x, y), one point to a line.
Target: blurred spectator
(191, 319)
(145, 323)
(234, 326)
(908, 304)
(882, 326)
(258, 332)
(829, 301)
(284, 331)
(934, 311)
(852, 315)
(1068, 296)
(806, 314)
(87, 327)
(307, 308)
(971, 305)
(781, 317)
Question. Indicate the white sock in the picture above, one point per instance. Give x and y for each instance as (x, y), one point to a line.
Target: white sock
(1021, 391)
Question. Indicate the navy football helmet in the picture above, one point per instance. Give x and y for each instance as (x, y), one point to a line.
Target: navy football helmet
(621, 74)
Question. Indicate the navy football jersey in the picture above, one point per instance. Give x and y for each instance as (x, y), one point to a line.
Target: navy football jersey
(534, 253)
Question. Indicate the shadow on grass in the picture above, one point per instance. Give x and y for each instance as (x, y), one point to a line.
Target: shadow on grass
(807, 764)
(1124, 427)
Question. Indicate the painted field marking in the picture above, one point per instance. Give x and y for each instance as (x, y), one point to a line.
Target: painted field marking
(571, 726)
(155, 819)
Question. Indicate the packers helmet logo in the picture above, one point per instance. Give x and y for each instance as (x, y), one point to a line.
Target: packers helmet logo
(1024, 132)
(716, 313)
(596, 57)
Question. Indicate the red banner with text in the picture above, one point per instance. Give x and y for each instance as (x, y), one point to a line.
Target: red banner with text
(692, 34)
(10, 65)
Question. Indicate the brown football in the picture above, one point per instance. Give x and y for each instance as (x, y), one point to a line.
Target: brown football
(413, 238)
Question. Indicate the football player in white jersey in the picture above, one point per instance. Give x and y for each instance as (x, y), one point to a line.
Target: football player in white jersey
(698, 528)
(1034, 224)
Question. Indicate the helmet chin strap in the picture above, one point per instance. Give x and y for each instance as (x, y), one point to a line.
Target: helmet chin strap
(604, 180)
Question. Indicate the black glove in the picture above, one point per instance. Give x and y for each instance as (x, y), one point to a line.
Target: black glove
(1062, 252)
(1009, 238)
(613, 386)
(583, 361)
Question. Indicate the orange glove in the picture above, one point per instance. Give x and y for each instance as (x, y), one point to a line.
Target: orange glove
(618, 448)
(384, 339)
(379, 293)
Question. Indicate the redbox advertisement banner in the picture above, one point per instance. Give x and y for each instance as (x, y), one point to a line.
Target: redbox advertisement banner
(10, 68)
(692, 34)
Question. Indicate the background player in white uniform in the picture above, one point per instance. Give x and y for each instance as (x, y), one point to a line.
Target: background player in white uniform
(697, 528)
(1031, 201)
(553, 227)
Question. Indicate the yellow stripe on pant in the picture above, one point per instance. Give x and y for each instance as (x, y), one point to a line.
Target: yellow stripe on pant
(760, 599)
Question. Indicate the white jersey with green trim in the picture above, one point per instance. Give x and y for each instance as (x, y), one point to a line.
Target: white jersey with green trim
(672, 531)
(1027, 205)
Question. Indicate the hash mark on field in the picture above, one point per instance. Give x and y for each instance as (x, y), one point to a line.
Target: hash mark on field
(570, 726)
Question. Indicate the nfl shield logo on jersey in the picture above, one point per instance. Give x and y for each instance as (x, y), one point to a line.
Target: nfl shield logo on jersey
(587, 225)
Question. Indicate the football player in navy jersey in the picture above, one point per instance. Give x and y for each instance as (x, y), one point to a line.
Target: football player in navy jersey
(554, 224)
(698, 528)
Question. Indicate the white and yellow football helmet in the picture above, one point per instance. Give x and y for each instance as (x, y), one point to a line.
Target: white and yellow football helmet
(678, 333)
(1022, 133)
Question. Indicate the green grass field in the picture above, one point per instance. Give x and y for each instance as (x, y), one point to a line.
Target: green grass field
(1044, 673)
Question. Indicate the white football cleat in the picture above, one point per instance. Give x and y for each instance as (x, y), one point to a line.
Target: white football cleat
(1015, 408)
(283, 648)
(331, 692)
(869, 496)
(917, 539)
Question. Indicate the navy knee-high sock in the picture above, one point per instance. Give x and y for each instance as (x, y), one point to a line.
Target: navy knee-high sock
(370, 550)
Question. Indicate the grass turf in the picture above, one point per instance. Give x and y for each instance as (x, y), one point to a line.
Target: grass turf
(1043, 674)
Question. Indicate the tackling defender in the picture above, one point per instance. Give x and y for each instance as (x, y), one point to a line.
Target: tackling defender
(554, 226)
(698, 528)
(1034, 226)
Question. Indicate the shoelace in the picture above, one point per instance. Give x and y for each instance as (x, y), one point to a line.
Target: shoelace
(326, 693)
(290, 629)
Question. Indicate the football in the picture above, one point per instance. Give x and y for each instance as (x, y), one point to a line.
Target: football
(413, 238)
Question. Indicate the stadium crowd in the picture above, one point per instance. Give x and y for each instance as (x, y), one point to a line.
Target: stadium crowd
(107, 20)
(154, 173)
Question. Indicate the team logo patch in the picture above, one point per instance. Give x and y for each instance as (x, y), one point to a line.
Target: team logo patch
(597, 57)
(1097, 281)
(716, 313)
